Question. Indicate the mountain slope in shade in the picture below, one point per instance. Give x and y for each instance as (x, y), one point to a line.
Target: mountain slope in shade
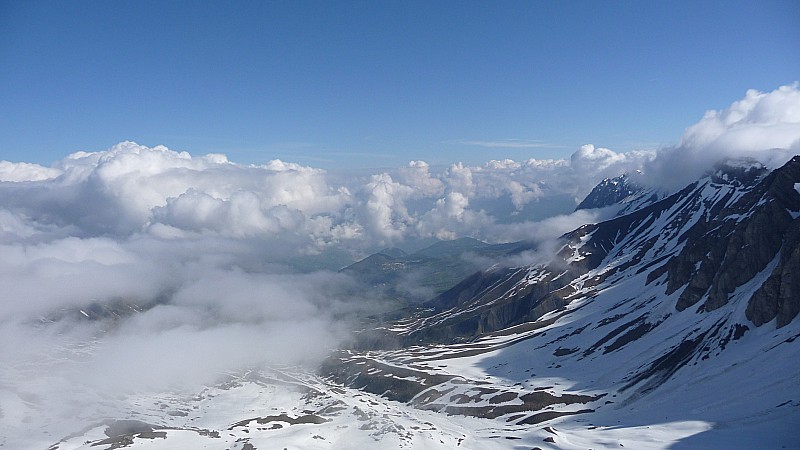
(626, 192)
(685, 308)
(411, 278)
(610, 191)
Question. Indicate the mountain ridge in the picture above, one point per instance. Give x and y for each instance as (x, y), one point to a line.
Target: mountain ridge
(645, 300)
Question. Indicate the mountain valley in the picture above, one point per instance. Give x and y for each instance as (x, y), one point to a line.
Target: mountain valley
(673, 324)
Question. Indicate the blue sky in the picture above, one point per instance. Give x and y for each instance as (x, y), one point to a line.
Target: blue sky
(376, 84)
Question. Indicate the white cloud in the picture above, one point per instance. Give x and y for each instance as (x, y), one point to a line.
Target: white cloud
(450, 218)
(589, 157)
(459, 179)
(23, 171)
(604, 162)
(132, 189)
(763, 126)
(13, 228)
(385, 207)
(418, 176)
(521, 194)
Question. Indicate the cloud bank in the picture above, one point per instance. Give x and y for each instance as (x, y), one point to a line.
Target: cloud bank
(133, 190)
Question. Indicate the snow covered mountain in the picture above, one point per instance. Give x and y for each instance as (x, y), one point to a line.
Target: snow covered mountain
(626, 192)
(611, 191)
(684, 308)
(672, 325)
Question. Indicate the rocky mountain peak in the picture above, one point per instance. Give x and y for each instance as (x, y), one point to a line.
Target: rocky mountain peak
(628, 192)
(610, 191)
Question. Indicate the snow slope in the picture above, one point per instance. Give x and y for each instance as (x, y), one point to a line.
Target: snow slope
(647, 320)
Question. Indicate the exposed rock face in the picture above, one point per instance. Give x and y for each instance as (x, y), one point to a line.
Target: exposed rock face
(610, 191)
(627, 192)
(489, 301)
(729, 247)
(714, 260)
(779, 296)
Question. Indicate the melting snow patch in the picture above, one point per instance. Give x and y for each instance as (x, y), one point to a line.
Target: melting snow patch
(796, 214)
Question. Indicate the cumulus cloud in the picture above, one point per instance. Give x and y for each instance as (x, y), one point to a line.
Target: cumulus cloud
(451, 218)
(763, 125)
(132, 189)
(23, 171)
(385, 207)
(418, 176)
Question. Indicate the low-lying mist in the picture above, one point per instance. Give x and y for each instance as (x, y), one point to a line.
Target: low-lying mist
(88, 323)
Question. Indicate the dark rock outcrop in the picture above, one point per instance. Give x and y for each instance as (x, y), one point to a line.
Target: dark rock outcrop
(608, 192)
(730, 245)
